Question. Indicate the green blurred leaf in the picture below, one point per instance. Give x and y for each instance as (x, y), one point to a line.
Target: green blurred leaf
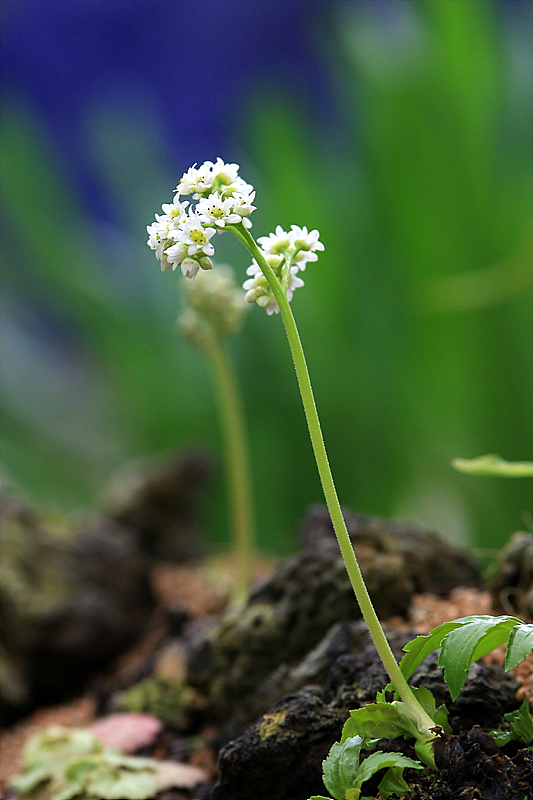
(494, 466)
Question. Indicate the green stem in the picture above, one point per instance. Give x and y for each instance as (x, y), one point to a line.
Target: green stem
(237, 467)
(328, 486)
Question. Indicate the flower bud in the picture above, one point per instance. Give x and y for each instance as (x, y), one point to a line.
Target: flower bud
(190, 267)
(205, 262)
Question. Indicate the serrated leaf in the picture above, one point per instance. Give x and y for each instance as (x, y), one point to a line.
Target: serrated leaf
(381, 721)
(341, 766)
(393, 782)
(379, 760)
(420, 648)
(520, 645)
(319, 797)
(473, 638)
(521, 723)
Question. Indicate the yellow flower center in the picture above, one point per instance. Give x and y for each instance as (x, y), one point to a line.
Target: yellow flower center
(198, 236)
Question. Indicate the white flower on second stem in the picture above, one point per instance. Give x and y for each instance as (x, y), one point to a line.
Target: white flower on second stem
(195, 236)
(278, 242)
(305, 244)
(258, 290)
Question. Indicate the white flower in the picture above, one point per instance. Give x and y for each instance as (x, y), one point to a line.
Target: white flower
(190, 268)
(196, 180)
(223, 174)
(242, 203)
(305, 244)
(215, 210)
(278, 242)
(195, 236)
(174, 255)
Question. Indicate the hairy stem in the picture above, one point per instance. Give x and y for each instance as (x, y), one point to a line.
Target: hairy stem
(237, 467)
(328, 486)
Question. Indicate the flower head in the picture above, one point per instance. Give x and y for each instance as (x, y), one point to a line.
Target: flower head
(215, 306)
(182, 235)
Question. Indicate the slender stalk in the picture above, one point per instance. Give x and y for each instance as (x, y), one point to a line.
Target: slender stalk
(328, 486)
(237, 468)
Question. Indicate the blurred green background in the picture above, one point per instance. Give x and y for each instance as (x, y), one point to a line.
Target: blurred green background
(416, 321)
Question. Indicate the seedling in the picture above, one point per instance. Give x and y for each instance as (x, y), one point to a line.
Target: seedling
(344, 775)
(182, 236)
(520, 726)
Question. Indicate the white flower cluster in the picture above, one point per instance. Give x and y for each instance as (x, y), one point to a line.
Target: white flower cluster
(181, 236)
(287, 253)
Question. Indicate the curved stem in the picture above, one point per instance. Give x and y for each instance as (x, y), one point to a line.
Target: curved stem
(237, 467)
(354, 572)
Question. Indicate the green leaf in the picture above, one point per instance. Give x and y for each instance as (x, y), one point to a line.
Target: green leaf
(472, 639)
(502, 737)
(68, 792)
(392, 783)
(319, 797)
(381, 721)
(426, 699)
(462, 641)
(114, 785)
(441, 718)
(521, 723)
(520, 645)
(341, 766)
(25, 783)
(379, 760)
(420, 648)
(494, 465)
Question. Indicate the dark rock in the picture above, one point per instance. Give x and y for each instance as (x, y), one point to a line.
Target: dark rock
(159, 500)
(429, 563)
(263, 648)
(281, 755)
(70, 600)
(512, 585)
(472, 766)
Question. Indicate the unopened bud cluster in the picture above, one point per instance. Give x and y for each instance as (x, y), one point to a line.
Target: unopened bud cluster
(215, 306)
(182, 235)
(287, 253)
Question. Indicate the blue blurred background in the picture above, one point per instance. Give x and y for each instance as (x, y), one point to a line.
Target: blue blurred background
(400, 129)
